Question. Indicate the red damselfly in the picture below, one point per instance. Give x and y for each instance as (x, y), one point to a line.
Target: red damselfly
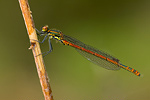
(94, 55)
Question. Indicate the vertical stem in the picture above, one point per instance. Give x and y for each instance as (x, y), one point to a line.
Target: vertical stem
(36, 49)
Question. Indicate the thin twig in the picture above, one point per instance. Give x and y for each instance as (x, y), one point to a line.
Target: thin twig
(36, 49)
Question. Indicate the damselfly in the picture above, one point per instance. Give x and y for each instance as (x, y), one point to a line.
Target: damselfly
(94, 55)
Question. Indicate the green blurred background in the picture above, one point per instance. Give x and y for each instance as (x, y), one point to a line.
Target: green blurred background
(119, 27)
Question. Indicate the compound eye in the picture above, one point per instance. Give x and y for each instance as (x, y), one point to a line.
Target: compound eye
(45, 28)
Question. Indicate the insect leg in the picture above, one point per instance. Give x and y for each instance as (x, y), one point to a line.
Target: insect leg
(50, 47)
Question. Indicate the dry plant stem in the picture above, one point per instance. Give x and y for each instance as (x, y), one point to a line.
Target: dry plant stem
(36, 49)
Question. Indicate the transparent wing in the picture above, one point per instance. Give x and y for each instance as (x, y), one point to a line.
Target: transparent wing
(97, 60)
